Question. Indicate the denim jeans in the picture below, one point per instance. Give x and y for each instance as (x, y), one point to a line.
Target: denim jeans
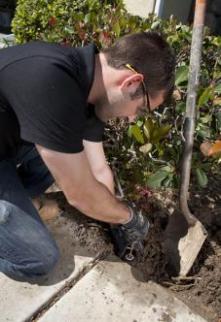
(26, 248)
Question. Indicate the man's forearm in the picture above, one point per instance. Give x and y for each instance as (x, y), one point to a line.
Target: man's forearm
(73, 174)
(106, 178)
(99, 203)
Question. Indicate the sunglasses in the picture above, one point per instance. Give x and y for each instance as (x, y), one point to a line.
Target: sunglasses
(146, 95)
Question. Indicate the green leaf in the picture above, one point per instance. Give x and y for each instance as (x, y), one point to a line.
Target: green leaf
(201, 178)
(137, 134)
(205, 96)
(168, 168)
(145, 148)
(87, 18)
(217, 89)
(216, 41)
(148, 128)
(218, 120)
(156, 179)
(217, 74)
(155, 24)
(206, 119)
(180, 107)
(173, 39)
(203, 131)
(139, 123)
(168, 181)
(129, 131)
(117, 29)
(69, 30)
(181, 75)
(160, 132)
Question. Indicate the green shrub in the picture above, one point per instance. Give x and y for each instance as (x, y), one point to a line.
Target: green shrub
(74, 22)
(148, 152)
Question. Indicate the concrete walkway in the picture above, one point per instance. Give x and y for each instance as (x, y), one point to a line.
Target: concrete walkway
(140, 8)
(82, 288)
(110, 292)
(6, 40)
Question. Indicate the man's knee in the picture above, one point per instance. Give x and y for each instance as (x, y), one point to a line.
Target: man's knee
(35, 267)
(44, 263)
(50, 260)
(30, 268)
(28, 249)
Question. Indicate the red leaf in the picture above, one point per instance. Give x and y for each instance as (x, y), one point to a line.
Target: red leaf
(52, 21)
(105, 38)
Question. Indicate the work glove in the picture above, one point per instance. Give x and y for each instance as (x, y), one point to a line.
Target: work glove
(128, 239)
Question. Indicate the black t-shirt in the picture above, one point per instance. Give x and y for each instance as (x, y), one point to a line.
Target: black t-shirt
(43, 97)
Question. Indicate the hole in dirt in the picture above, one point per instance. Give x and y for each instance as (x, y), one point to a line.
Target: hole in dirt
(154, 263)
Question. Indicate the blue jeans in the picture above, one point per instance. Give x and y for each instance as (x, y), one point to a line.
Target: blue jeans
(26, 248)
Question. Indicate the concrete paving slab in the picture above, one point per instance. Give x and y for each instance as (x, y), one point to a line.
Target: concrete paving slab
(19, 301)
(6, 40)
(110, 292)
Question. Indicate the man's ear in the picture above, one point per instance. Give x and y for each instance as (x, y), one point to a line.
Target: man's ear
(131, 83)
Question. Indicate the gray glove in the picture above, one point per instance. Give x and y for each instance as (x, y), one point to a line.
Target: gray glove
(128, 239)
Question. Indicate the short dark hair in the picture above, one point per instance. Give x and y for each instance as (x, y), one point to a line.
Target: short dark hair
(149, 54)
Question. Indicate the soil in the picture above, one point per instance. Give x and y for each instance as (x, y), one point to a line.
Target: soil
(201, 289)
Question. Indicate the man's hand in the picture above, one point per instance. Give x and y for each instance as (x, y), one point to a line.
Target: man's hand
(128, 239)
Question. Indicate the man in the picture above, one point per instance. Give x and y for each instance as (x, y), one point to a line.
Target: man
(54, 102)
